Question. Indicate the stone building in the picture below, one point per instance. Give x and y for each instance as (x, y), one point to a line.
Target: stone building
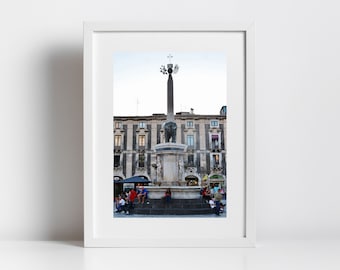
(204, 163)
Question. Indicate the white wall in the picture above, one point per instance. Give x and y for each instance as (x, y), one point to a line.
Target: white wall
(297, 108)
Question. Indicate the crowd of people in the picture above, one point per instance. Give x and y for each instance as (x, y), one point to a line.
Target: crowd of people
(126, 200)
(214, 196)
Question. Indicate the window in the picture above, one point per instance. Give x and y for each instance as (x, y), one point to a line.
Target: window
(214, 123)
(118, 140)
(141, 140)
(190, 140)
(118, 124)
(116, 161)
(190, 124)
(216, 160)
(142, 125)
(141, 160)
(215, 141)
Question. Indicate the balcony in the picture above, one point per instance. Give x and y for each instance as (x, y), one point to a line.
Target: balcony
(117, 149)
(215, 148)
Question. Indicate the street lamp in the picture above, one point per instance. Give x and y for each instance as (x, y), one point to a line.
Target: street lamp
(170, 68)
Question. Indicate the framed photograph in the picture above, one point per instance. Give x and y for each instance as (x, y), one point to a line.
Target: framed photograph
(168, 135)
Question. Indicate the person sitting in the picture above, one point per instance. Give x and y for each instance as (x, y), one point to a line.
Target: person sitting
(212, 203)
(167, 196)
(142, 195)
(206, 195)
(121, 205)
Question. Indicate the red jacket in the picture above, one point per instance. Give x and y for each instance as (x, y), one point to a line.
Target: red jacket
(133, 195)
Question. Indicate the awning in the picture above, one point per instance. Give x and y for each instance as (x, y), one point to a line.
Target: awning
(133, 179)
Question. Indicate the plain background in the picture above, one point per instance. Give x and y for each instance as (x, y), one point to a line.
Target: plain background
(297, 108)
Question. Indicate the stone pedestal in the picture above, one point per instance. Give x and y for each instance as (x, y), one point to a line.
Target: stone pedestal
(170, 165)
(170, 173)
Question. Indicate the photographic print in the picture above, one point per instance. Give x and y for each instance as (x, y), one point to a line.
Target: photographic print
(169, 134)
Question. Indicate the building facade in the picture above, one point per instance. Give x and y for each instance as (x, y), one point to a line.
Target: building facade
(134, 139)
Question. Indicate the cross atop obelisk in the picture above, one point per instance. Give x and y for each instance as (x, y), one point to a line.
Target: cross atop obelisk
(170, 57)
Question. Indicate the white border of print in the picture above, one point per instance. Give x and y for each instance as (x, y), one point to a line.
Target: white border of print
(101, 40)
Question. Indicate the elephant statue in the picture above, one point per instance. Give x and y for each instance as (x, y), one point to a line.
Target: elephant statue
(170, 131)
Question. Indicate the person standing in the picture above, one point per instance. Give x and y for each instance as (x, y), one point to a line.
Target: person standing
(218, 198)
(132, 196)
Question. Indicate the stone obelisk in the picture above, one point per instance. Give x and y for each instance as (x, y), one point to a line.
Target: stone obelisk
(170, 126)
(170, 112)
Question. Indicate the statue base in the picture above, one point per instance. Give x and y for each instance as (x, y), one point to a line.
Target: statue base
(170, 164)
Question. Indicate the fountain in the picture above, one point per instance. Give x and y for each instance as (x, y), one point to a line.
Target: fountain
(169, 154)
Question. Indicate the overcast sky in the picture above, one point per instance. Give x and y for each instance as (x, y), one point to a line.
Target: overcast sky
(139, 88)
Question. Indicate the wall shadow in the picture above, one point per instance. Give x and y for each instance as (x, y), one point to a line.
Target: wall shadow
(65, 106)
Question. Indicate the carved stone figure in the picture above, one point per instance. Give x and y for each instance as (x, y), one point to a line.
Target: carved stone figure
(180, 168)
(159, 170)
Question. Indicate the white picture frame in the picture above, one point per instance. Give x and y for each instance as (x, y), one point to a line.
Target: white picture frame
(101, 39)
